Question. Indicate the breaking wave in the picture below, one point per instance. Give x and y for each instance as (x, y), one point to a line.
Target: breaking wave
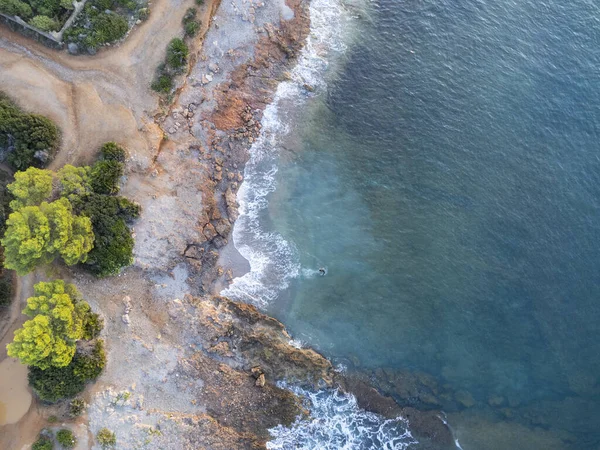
(274, 261)
(337, 423)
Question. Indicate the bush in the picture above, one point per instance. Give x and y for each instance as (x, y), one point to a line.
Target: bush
(89, 367)
(107, 28)
(199, 2)
(33, 139)
(105, 176)
(191, 28)
(66, 438)
(106, 438)
(44, 23)
(189, 15)
(113, 152)
(57, 383)
(114, 244)
(143, 13)
(93, 326)
(16, 8)
(76, 407)
(177, 53)
(163, 84)
(43, 443)
(5, 290)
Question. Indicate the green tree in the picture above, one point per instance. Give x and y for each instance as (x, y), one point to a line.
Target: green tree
(112, 151)
(105, 176)
(48, 340)
(74, 181)
(26, 240)
(31, 187)
(36, 235)
(113, 248)
(34, 139)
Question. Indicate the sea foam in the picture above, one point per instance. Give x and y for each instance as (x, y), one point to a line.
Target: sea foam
(337, 423)
(274, 261)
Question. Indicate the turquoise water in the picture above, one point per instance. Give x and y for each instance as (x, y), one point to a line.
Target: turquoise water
(448, 178)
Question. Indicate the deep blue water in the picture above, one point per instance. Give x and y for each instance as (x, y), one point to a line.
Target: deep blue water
(449, 180)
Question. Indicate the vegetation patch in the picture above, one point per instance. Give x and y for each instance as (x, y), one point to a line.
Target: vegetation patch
(66, 438)
(106, 438)
(103, 22)
(43, 443)
(175, 62)
(46, 15)
(26, 139)
(73, 215)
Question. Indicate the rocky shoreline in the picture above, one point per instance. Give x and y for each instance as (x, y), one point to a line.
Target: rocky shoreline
(218, 125)
(187, 368)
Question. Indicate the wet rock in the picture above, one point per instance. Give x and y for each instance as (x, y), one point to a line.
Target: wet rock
(495, 400)
(465, 398)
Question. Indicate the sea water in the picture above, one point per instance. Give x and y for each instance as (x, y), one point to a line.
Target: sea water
(441, 160)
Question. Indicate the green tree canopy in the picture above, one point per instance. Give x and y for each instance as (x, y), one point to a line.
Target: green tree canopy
(59, 315)
(36, 235)
(31, 187)
(74, 181)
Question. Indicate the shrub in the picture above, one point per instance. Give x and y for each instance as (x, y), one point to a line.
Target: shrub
(89, 367)
(199, 2)
(143, 13)
(163, 84)
(33, 139)
(66, 438)
(113, 152)
(76, 407)
(105, 176)
(93, 326)
(5, 291)
(43, 443)
(108, 28)
(55, 383)
(177, 53)
(191, 28)
(189, 15)
(44, 23)
(106, 438)
(114, 244)
(16, 8)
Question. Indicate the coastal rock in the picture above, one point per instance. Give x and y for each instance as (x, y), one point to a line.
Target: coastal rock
(465, 399)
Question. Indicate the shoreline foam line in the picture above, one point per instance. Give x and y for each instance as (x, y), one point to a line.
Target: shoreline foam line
(273, 260)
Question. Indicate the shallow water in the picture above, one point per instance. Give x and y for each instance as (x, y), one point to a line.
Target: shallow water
(449, 180)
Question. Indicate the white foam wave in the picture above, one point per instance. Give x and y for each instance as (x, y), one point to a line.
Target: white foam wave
(337, 423)
(274, 261)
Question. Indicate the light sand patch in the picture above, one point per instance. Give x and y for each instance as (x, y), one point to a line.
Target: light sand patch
(15, 397)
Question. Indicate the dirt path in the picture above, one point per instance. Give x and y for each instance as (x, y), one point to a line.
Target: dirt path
(99, 98)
